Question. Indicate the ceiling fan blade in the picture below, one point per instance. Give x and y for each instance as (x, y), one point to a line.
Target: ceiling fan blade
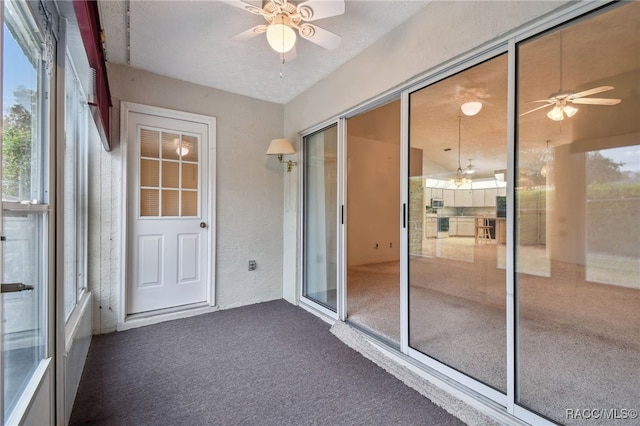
(250, 33)
(312, 10)
(535, 109)
(596, 101)
(320, 36)
(549, 101)
(590, 92)
(246, 6)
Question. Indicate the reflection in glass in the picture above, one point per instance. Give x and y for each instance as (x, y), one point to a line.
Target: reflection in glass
(320, 217)
(578, 216)
(457, 279)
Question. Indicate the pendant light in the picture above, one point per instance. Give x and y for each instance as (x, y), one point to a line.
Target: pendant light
(460, 178)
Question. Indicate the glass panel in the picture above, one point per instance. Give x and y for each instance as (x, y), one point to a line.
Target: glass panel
(149, 202)
(189, 176)
(189, 203)
(190, 143)
(170, 203)
(170, 174)
(373, 220)
(149, 143)
(457, 278)
(24, 177)
(70, 211)
(21, 178)
(577, 232)
(320, 217)
(149, 173)
(24, 319)
(170, 146)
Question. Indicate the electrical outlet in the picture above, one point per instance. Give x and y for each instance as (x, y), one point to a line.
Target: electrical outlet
(252, 265)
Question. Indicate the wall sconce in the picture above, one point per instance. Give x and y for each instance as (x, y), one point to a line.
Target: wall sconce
(281, 147)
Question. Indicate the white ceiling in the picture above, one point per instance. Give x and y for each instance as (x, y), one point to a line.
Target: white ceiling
(191, 41)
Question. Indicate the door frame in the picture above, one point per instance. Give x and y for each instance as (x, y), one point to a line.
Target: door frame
(129, 321)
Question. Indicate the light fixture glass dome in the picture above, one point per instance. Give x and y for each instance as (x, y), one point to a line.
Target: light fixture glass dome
(471, 108)
(281, 37)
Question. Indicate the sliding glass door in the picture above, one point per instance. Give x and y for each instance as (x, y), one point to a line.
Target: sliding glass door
(578, 229)
(456, 231)
(320, 218)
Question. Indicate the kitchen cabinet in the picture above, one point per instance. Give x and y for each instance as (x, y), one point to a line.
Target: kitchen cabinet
(479, 198)
(453, 226)
(448, 197)
(463, 198)
(431, 227)
(490, 197)
(502, 192)
(466, 227)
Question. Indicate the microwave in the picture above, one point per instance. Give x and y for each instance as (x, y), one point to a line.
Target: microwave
(437, 203)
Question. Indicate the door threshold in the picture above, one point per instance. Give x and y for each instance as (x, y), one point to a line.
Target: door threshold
(168, 314)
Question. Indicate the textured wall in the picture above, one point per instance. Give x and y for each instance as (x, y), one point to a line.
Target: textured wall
(249, 189)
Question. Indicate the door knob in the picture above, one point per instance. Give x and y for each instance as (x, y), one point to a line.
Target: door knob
(203, 225)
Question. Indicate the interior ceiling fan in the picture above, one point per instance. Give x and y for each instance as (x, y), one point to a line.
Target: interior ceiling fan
(283, 17)
(562, 99)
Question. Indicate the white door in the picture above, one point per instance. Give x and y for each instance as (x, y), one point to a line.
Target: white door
(168, 229)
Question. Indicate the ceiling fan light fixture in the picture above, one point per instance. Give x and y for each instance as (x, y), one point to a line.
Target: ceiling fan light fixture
(281, 37)
(570, 111)
(471, 108)
(556, 114)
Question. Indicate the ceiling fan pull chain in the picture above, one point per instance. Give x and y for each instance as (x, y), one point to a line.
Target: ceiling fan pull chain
(282, 65)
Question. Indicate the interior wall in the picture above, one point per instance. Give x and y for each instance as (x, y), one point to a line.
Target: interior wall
(249, 187)
(373, 197)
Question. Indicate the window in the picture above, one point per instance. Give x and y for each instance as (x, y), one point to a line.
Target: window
(75, 191)
(24, 205)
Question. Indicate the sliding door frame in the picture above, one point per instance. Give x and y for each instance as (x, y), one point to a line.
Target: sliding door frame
(463, 386)
(339, 229)
(471, 383)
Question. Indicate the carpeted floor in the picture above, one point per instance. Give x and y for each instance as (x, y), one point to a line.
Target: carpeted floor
(268, 364)
(579, 341)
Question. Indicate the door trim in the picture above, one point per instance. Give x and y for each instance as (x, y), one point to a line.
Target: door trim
(125, 109)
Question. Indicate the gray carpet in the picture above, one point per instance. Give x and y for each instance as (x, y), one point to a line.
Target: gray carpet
(578, 340)
(269, 364)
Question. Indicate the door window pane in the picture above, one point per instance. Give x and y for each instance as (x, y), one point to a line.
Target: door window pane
(175, 173)
(578, 220)
(457, 271)
(320, 217)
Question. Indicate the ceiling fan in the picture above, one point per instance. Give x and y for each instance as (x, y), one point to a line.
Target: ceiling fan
(283, 17)
(562, 99)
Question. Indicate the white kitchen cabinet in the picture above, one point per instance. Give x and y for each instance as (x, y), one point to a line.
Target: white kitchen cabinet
(431, 227)
(448, 197)
(478, 197)
(463, 198)
(436, 192)
(502, 192)
(453, 226)
(490, 197)
(466, 227)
